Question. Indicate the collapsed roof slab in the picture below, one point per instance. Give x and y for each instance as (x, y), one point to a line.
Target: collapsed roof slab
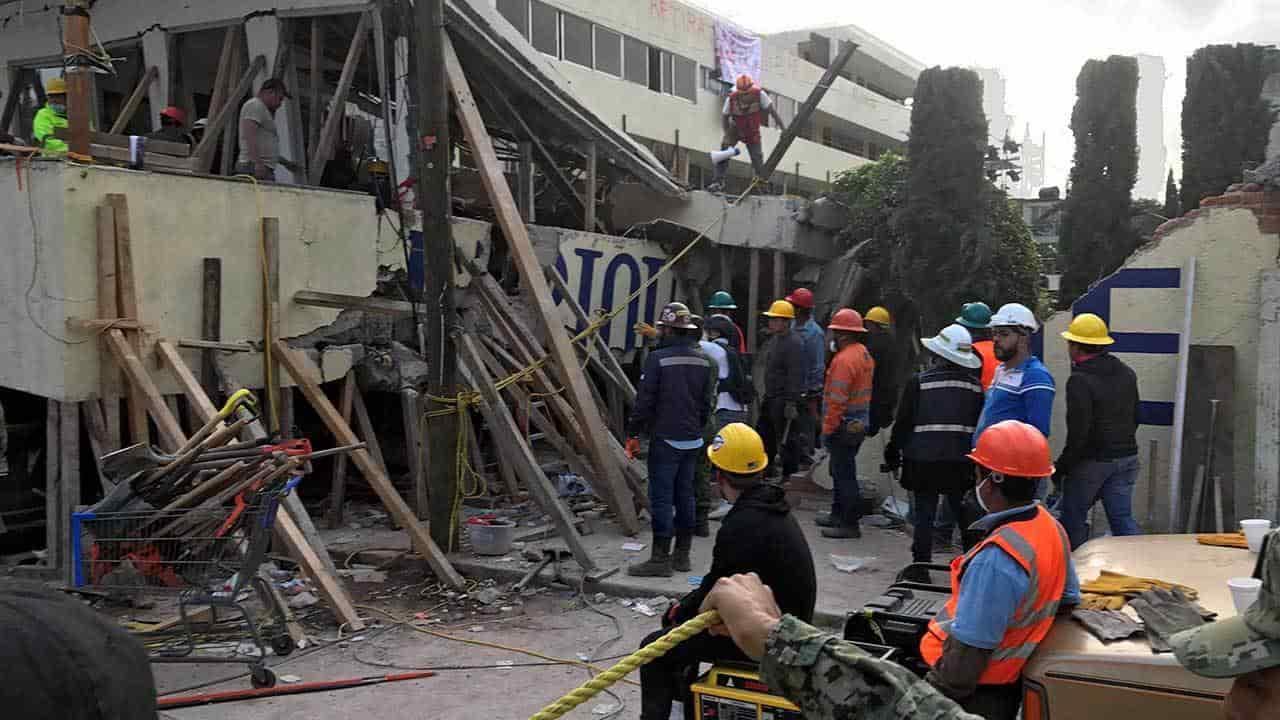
(768, 222)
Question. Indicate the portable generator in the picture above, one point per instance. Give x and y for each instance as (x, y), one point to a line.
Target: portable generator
(900, 616)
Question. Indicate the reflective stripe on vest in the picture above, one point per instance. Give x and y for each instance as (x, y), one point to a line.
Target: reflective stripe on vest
(1040, 547)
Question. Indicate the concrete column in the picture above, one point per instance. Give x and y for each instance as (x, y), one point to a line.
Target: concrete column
(262, 33)
(399, 124)
(1266, 466)
(7, 74)
(155, 52)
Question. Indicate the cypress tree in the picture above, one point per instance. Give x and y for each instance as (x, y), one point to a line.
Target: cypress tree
(1172, 208)
(1095, 235)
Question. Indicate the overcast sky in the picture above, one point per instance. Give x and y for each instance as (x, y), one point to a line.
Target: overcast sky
(1038, 45)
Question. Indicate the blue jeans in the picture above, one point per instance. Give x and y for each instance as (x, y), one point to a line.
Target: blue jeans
(1110, 481)
(846, 493)
(671, 486)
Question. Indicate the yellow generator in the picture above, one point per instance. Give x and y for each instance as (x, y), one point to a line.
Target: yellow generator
(729, 692)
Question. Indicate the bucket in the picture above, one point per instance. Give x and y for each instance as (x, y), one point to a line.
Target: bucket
(491, 537)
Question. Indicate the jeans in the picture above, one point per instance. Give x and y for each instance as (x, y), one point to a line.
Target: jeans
(671, 487)
(667, 678)
(1110, 481)
(846, 492)
(926, 507)
(757, 161)
(727, 417)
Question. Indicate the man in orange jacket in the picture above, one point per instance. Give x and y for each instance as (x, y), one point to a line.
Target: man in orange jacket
(1007, 590)
(846, 398)
(976, 318)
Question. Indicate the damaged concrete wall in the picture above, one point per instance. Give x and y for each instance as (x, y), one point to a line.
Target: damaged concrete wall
(327, 243)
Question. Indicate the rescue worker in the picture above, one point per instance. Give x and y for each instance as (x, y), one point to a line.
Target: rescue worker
(744, 112)
(931, 435)
(672, 408)
(1100, 459)
(1006, 591)
(883, 347)
(847, 402)
(50, 118)
(734, 392)
(259, 141)
(173, 127)
(759, 535)
(785, 365)
(1022, 388)
(718, 369)
(976, 318)
(815, 348)
(1245, 647)
(722, 304)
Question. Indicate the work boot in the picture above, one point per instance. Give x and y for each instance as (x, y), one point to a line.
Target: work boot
(825, 520)
(659, 562)
(680, 557)
(701, 526)
(842, 532)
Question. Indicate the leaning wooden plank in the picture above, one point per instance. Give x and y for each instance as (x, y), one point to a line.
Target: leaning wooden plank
(135, 100)
(506, 431)
(146, 389)
(296, 366)
(127, 303)
(338, 491)
(315, 298)
(204, 151)
(151, 160)
(609, 476)
(324, 147)
(222, 80)
(108, 300)
(413, 448)
(612, 367)
(96, 424)
(187, 379)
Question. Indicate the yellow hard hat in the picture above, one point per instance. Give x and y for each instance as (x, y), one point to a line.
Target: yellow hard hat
(1088, 329)
(738, 449)
(879, 315)
(781, 309)
(56, 86)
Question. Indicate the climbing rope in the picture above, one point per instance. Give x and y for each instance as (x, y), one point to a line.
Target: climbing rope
(626, 665)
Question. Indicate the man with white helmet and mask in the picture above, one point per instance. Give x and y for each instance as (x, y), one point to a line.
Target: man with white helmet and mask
(1022, 389)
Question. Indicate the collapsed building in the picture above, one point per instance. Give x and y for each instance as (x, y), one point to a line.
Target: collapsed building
(141, 286)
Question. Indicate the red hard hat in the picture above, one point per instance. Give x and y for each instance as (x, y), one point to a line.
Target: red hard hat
(801, 298)
(846, 319)
(175, 113)
(1013, 448)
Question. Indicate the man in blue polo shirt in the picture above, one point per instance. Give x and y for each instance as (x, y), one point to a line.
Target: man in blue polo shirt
(1022, 388)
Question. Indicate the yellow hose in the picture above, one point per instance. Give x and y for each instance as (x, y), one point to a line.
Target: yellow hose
(643, 656)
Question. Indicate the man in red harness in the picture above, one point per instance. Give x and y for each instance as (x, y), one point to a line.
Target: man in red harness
(744, 111)
(1006, 591)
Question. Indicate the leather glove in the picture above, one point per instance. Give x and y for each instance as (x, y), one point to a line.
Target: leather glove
(632, 447)
(855, 427)
(644, 329)
(791, 411)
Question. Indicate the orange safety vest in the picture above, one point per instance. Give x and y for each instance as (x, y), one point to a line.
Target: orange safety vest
(986, 350)
(744, 107)
(1041, 547)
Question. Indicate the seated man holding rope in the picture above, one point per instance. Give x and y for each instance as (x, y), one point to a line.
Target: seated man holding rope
(758, 535)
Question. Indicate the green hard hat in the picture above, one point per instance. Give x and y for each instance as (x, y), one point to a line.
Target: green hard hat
(722, 300)
(975, 315)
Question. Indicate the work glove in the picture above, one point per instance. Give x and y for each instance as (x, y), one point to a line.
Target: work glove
(791, 411)
(644, 329)
(1164, 613)
(633, 448)
(855, 427)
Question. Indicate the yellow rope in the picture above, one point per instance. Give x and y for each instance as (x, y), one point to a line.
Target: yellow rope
(626, 665)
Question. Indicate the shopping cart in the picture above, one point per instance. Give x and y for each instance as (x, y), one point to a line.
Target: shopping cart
(209, 557)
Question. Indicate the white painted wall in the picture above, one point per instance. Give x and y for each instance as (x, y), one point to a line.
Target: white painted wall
(326, 243)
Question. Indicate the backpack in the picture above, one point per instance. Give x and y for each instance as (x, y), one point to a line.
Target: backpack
(739, 384)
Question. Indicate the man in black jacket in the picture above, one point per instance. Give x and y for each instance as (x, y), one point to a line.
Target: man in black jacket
(882, 343)
(1100, 459)
(931, 435)
(673, 404)
(785, 372)
(758, 535)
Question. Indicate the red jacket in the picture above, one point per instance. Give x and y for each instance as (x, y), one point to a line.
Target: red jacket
(744, 108)
(847, 392)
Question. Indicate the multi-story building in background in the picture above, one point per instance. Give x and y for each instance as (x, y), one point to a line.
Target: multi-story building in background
(1031, 158)
(994, 89)
(1152, 160)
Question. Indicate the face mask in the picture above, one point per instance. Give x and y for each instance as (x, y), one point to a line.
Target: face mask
(59, 108)
(978, 494)
(833, 347)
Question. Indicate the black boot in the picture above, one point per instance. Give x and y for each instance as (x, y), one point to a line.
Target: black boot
(659, 562)
(853, 531)
(702, 524)
(680, 558)
(826, 520)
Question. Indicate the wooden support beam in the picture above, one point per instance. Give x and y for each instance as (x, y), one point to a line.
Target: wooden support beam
(370, 436)
(135, 100)
(807, 108)
(411, 411)
(210, 318)
(524, 183)
(317, 80)
(190, 386)
(117, 146)
(231, 40)
(589, 190)
(54, 543)
(144, 386)
(127, 304)
(384, 86)
(271, 317)
(507, 432)
(324, 146)
(753, 300)
(338, 484)
(108, 300)
(235, 100)
(229, 110)
(16, 86)
(296, 365)
(382, 306)
(80, 98)
(99, 443)
(609, 481)
(610, 361)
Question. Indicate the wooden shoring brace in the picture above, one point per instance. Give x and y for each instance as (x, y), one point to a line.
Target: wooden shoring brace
(293, 526)
(611, 367)
(507, 432)
(203, 153)
(135, 101)
(609, 481)
(338, 488)
(297, 366)
(323, 150)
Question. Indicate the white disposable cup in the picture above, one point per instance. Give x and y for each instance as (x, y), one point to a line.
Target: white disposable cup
(1244, 590)
(1254, 531)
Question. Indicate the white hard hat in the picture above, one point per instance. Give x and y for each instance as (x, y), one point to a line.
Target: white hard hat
(201, 123)
(954, 343)
(1015, 315)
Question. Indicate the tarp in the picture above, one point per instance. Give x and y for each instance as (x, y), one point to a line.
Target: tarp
(738, 52)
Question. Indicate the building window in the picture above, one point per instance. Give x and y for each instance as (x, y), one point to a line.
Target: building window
(517, 13)
(710, 81)
(608, 51)
(686, 78)
(635, 58)
(668, 73)
(545, 30)
(577, 39)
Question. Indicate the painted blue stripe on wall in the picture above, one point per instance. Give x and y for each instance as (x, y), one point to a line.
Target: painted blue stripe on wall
(1098, 299)
(1151, 343)
(1155, 413)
